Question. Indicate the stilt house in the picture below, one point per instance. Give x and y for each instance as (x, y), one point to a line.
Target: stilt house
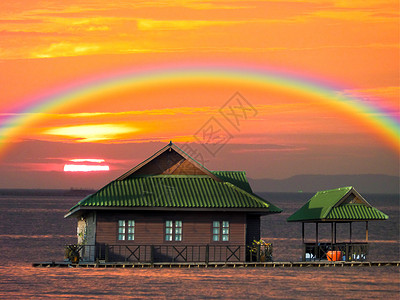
(170, 208)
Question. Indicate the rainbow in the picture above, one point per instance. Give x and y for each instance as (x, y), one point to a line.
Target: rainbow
(383, 121)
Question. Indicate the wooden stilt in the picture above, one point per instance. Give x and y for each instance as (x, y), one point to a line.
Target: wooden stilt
(334, 223)
(316, 248)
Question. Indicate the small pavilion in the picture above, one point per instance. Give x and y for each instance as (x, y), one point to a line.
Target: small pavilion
(341, 205)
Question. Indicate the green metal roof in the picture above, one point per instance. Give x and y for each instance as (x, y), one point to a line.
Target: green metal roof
(326, 205)
(355, 212)
(213, 190)
(175, 191)
(237, 178)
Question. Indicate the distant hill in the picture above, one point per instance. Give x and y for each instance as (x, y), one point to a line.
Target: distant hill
(45, 192)
(368, 183)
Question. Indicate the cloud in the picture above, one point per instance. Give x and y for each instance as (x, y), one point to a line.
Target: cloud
(268, 148)
(22, 33)
(87, 28)
(67, 49)
(92, 133)
(350, 15)
(98, 28)
(36, 166)
(150, 24)
(382, 91)
(20, 21)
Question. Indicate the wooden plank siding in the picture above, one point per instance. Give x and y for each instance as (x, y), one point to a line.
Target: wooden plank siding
(196, 227)
(150, 227)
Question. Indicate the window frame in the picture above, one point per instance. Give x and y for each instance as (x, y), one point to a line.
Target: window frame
(173, 231)
(126, 230)
(220, 231)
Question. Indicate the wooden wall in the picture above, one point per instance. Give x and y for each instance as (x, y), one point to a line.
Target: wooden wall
(150, 227)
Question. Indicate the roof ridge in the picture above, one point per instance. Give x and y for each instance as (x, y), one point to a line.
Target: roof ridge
(170, 175)
(128, 173)
(348, 190)
(229, 171)
(172, 144)
(178, 150)
(336, 189)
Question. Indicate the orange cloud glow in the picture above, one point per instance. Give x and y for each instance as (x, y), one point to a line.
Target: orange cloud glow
(353, 46)
(93, 160)
(92, 133)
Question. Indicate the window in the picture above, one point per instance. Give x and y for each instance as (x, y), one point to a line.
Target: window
(173, 231)
(178, 231)
(168, 230)
(131, 230)
(126, 230)
(225, 231)
(121, 230)
(215, 231)
(220, 231)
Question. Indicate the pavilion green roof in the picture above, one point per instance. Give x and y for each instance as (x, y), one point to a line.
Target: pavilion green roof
(341, 204)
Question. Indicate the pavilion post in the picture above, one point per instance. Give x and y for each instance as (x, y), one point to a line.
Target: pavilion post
(334, 223)
(316, 248)
(302, 231)
(332, 235)
(366, 231)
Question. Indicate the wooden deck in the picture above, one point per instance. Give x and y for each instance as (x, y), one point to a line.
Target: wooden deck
(316, 264)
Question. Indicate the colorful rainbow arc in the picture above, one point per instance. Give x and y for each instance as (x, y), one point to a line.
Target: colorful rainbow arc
(375, 116)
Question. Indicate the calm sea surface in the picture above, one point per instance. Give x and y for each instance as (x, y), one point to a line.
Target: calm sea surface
(32, 228)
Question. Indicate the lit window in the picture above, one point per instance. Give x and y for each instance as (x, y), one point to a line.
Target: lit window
(220, 231)
(215, 231)
(173, 231)
(126, 230)
(168, 230)
(121, 230)
(131, 230)
(178, 231)
(225, 231)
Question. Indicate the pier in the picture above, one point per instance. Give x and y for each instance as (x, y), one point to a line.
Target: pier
(302, 264)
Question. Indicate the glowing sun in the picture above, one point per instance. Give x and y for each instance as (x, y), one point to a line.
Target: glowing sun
(86, 165)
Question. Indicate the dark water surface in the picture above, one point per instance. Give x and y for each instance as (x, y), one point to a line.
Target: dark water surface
(32, 228)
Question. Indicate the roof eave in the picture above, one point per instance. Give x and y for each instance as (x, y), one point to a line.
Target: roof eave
(235, 209)
(334, 220)
(72, 212)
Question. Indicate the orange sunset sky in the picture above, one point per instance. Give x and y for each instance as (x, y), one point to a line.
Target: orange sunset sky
(45, 45)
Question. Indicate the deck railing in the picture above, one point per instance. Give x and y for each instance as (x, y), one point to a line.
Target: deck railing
(334, 252)
(166, 253)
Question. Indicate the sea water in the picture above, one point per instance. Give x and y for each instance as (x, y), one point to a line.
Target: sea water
(32, 228)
